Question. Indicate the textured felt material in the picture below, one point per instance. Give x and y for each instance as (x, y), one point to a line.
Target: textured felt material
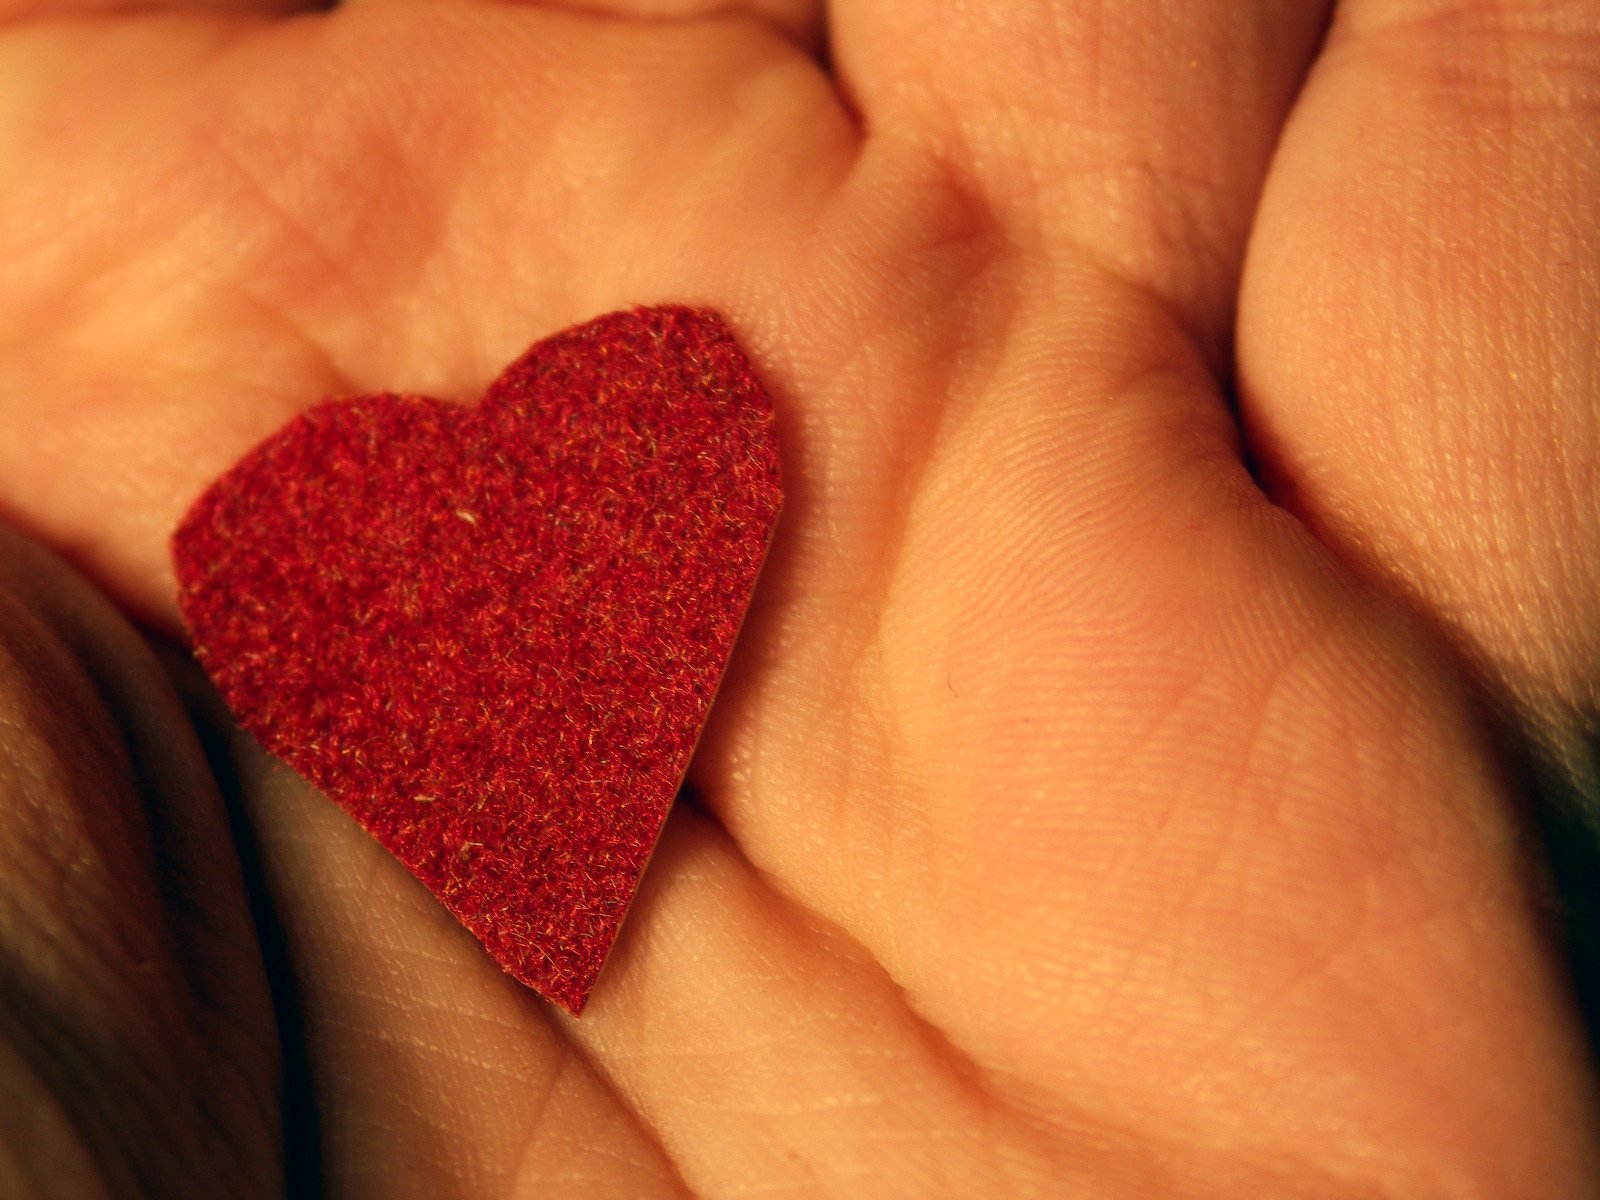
(492, 634)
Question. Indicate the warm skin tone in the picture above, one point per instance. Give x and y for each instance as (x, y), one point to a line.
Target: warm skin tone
(1079, 818)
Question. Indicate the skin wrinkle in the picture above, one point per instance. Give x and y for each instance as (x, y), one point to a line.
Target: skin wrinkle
(520, 1174)
(626, 1103)
(798, 921)
(334, 282)
(980, 140)
(1004, 1099)
(971, 226)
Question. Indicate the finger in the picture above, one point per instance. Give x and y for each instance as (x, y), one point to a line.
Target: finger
(1420, 341)
(1418, 337)
(1137, 131)
(136, 1035)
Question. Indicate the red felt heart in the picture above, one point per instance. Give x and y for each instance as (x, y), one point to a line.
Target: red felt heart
(493, 634)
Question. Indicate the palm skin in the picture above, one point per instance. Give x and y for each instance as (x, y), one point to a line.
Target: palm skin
(1074, 820)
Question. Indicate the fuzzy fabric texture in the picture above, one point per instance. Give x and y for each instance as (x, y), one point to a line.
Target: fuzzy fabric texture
(493, 634)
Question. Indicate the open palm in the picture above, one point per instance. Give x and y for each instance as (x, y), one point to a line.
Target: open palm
(1076, 820)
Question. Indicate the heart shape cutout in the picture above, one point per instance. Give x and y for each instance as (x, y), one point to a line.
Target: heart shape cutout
(493, 634)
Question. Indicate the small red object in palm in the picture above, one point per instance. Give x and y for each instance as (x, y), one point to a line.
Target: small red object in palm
(493, 634)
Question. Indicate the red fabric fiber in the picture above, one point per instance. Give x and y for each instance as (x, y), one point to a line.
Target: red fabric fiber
(493, 634)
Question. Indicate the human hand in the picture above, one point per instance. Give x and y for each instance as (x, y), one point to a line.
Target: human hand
(1075, 820)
